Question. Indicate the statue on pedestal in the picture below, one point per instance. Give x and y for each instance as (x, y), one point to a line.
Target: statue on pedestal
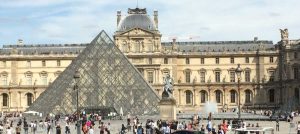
(284, 34)
(168, 87)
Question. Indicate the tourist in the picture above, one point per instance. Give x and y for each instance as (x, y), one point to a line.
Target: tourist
(18, 129)
(202, 130)
(107, 128)
(298, 128)
(58, 129)
(68, 128)
(8, 130)
(140, 129)
(209, 126)
(25, 127)
(48, 127)
(1, 128)
(91, 130)
(85, 128)
(221, 130)
(224, 125)
(123, 129)
(277, 124)
(102, 128)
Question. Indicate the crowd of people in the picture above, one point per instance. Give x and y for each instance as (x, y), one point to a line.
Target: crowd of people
(90, 123)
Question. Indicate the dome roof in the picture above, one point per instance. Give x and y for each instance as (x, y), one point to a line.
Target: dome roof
(142, 21)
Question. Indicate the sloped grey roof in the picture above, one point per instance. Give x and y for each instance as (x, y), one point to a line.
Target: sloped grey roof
(142, 21)
(207, 46)
(43, 49)
(218, 46)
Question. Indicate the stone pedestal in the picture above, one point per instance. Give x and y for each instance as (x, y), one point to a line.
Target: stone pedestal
(167, 107)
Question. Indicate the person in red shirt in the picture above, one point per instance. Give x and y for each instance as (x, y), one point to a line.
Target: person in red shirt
(224, 126)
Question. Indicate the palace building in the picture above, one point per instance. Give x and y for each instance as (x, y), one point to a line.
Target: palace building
(203, 71)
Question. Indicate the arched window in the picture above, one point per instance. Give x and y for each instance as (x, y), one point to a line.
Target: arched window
(29, 99)
(248, 96)
(4, 100)
(271, 95)
(297, 94)
(218, 96)
(124, 48)
(203, 95)
(188, 97)
(233, 96)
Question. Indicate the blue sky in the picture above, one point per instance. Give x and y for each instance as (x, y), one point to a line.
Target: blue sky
(79, 21)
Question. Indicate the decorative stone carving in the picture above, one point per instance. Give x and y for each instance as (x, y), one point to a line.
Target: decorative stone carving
(168, 87)
(284, 34)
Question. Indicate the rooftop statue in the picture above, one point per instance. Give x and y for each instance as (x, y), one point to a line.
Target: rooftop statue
(284, 34)
(168, 87)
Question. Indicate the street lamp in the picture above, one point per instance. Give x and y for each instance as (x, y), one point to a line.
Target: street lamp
(76, 78)
(238, 72)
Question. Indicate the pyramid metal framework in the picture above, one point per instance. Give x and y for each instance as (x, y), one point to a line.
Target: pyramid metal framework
(107, 79)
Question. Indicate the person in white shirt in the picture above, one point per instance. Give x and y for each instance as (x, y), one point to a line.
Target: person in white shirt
(8, 131)
(91, 130)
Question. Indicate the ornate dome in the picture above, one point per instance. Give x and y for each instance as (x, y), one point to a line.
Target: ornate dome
(142, 21)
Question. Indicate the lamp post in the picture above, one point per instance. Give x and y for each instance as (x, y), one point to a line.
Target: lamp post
(238, 72)
(76, 78)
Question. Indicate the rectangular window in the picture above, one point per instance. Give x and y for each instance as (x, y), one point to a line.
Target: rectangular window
(217, 61)
(3, 64)
(150, 61)
(247, 59)
(58, 63)
(187, 76)
(232, 76)
(150, 77)
(217, 74)
(166, 61)
(202, 60)
(295, 55)
(232, 60)
(247, 76)
(28, 64)
(271, 60)
(29, 79)
(44, 80)
(4, 80)
(43, 63)
(187, 61)
(202, 77)
(296, 73)
(272, 75)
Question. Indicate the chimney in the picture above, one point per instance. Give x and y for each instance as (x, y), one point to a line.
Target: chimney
(174, 41)
(118, 17)
(20, 42)
(155, 14)
(255, 39)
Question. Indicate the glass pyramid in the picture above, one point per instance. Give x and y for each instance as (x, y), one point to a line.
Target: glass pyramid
(107, 79)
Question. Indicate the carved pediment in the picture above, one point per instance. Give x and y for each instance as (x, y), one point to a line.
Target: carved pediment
(137, 32)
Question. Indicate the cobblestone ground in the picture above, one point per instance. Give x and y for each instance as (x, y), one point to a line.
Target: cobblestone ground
(116, 126)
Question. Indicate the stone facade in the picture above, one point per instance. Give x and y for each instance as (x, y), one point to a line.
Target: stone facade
(202, 71)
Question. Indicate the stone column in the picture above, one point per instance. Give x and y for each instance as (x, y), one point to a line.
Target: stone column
(179, 96)
(194, 97)
(9, 103)
(224, 95)
(20, 103)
